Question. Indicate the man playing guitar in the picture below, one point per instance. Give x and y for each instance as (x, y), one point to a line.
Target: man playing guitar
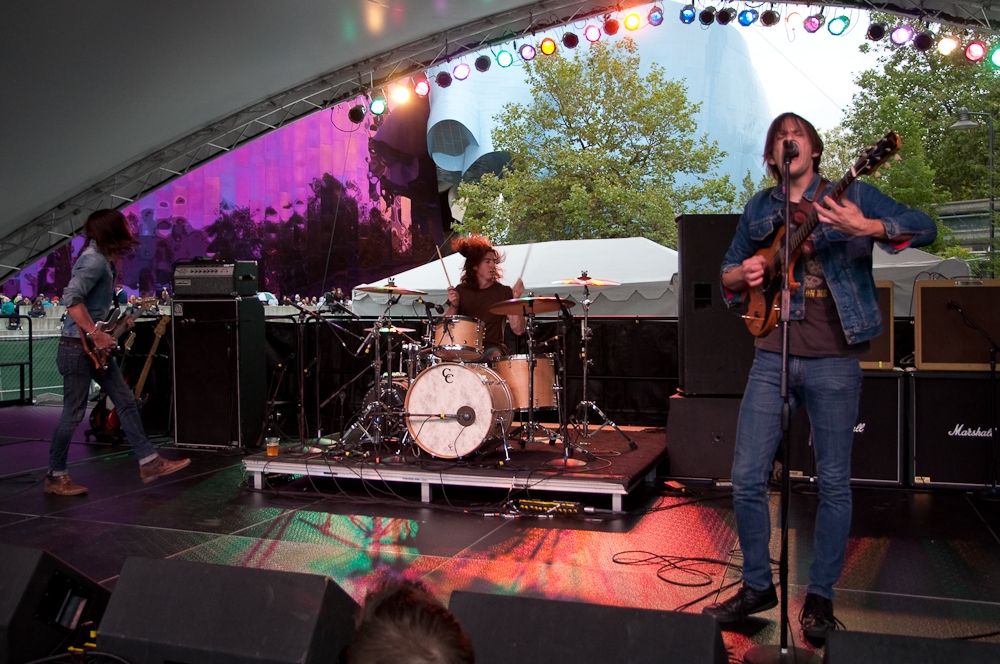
(83, 354)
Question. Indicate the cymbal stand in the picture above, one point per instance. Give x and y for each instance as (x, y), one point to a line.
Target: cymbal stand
(530, 427)
(567, 460)
(585, 405)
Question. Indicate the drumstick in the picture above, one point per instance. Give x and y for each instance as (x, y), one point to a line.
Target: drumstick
(526, 256)
(447, 278)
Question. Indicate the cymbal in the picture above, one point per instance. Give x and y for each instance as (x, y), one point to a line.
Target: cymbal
(585, 280)
(391, 330)
(390, 289)
(529, 305)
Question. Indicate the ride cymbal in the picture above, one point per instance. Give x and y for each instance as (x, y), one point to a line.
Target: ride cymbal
(529, 305)
(585, 280)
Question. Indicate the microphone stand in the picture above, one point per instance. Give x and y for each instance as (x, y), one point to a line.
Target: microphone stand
(768, 654)
(990, 492)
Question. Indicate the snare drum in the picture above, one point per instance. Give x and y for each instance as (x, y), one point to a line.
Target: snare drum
(513, 369)
(474, 399)
(459, 338)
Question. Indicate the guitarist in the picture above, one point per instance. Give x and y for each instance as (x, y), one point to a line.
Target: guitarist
(88, 297)
(834, 314)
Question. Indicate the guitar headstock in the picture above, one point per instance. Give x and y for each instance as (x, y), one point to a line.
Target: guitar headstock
(877, 155)
(161, 327)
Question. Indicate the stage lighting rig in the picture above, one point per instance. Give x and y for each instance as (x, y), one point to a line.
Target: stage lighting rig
(357, 114)
(707, 16)
(748, 17)
(876, 31)
(923, 41)
(838, 24)
(813, 23)
(655, 17)
(422, 88)
(688, 14)
(725, 16)
(570, 40)
(505, 58)
(770, 18)
(443, 79)
(483, 63)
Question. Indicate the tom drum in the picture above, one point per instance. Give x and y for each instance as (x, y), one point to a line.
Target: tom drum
(459, 338)
(513, 369)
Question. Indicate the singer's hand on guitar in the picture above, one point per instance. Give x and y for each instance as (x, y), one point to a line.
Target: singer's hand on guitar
(102, 340)
(847, 218)
(753, 271)
(518, 288)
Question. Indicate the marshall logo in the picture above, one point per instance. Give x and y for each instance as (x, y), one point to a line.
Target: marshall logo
(859, 427)
(961, 430)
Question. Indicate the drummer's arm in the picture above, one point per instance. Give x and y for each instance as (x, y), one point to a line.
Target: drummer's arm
(516, 324)
(453, 300)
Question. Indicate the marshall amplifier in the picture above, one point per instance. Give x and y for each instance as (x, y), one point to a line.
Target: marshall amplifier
(950, 429)
(877, 452)
(215, 278)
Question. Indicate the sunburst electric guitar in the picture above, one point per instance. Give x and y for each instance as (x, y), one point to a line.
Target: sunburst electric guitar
(116, 326)
(763, 303)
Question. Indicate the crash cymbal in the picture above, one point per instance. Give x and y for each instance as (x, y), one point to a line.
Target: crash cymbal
(585, 280)
(390, 289)
(529, 305)
(391, 330)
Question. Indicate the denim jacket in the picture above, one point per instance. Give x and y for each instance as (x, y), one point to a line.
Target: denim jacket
(92, 283)
(846, 259)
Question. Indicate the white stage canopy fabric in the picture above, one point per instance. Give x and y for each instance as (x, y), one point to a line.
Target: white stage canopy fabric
(646, 270)
(904, 268)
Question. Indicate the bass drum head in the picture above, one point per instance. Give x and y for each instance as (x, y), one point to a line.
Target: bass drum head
(456, 389)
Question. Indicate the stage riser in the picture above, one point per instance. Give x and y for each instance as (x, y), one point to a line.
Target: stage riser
(852, 647)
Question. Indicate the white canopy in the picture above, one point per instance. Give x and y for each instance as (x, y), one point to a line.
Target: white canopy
(646, 271)
(904, 268)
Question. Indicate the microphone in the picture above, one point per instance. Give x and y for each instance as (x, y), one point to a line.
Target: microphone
(466, 416)
(791, 150)
(430, 305)
(952, 304)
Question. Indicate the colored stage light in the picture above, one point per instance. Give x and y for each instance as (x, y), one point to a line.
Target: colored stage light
(461, 71)
(401, 94)
(995, 57)
(876, 31)
(748, 17)
(923, 41)
(378, 106)
(632, 22)
(725, 16)
(570, 40)
(422, 88)
(813, 23)
(655, 16)
(592, 33)
(901, 35)
(483, 63)
(948, 45)
(688, 14)
(838, 24)
(443, 79)
(769, 18)
(505, 58)
(794, 20)
(548, 46)
(527, 52)
(611, 26)
(357, 114)
(975, 51)
(707, 16)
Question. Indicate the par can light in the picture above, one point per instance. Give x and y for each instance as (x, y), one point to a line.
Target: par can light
(770, 18)
(688, 14)
(748, 17)
(655, 17)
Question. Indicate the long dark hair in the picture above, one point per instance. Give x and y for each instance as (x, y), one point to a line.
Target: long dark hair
(109, 230)
(474, 248)
(774, 170)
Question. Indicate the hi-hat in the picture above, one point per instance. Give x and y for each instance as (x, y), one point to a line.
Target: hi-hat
(391, 330)
(530, 305)
(391, 289)
(585, 280)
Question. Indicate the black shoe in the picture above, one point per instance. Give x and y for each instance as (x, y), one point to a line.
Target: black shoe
(745, 602)
(817, 618)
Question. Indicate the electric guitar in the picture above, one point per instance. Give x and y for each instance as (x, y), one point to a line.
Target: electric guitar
(115, 326)
(763, 303)
(161, 327)
(103, 420)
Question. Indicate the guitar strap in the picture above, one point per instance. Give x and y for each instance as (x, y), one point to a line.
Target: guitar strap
(805, 206)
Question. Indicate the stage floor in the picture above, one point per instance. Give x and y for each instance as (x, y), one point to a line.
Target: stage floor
(919, 563)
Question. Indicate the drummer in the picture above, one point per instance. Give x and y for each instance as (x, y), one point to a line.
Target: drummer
(480, 289)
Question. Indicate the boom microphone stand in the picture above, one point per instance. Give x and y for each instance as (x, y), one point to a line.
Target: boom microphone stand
(781, 654)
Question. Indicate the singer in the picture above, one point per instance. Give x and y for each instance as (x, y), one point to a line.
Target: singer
(88, 297)
(480, 289)
(834, 314)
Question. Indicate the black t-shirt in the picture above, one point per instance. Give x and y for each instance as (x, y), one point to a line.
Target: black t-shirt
(477, 302)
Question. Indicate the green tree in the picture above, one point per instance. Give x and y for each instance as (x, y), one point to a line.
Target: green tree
(597, 154)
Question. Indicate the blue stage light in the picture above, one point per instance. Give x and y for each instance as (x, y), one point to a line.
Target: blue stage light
(655, 16)
(748, 17)
(688, 14)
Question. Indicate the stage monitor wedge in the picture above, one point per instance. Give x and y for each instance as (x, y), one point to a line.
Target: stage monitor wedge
(529, 630)
(945, 341)
(850, 647)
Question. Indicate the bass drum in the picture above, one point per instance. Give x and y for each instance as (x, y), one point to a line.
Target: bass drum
(474, 397)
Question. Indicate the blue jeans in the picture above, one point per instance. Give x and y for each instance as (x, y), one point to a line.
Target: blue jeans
(77, 371)
(830, 389)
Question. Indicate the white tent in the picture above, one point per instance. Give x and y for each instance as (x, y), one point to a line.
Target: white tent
(904, 268)
(646, 270)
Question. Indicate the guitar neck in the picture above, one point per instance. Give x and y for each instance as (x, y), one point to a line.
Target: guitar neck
(809, 225)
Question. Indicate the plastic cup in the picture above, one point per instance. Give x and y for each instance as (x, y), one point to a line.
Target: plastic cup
(272, 447)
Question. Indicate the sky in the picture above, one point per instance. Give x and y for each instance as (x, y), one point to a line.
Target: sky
(810, 74)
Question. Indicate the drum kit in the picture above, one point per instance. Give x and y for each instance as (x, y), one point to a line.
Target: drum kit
(444, 399)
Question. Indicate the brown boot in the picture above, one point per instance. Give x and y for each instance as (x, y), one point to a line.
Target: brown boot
(160, 466)
(62, 485)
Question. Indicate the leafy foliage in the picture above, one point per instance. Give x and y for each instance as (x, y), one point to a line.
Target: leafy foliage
(599, 153)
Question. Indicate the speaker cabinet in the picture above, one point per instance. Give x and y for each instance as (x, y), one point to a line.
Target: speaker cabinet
(881, 354)
(878, 450)
(545, 631)
(843, 647)
(950, 429)
(43, 602)
(716, 349)
(219, 372)
(944, 341)
(701, 436)
(186, 612)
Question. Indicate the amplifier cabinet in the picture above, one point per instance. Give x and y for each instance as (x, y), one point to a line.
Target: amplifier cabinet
(950, 429)
(944, 342)
(878, 449)
(220, 389)
(881, 353)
